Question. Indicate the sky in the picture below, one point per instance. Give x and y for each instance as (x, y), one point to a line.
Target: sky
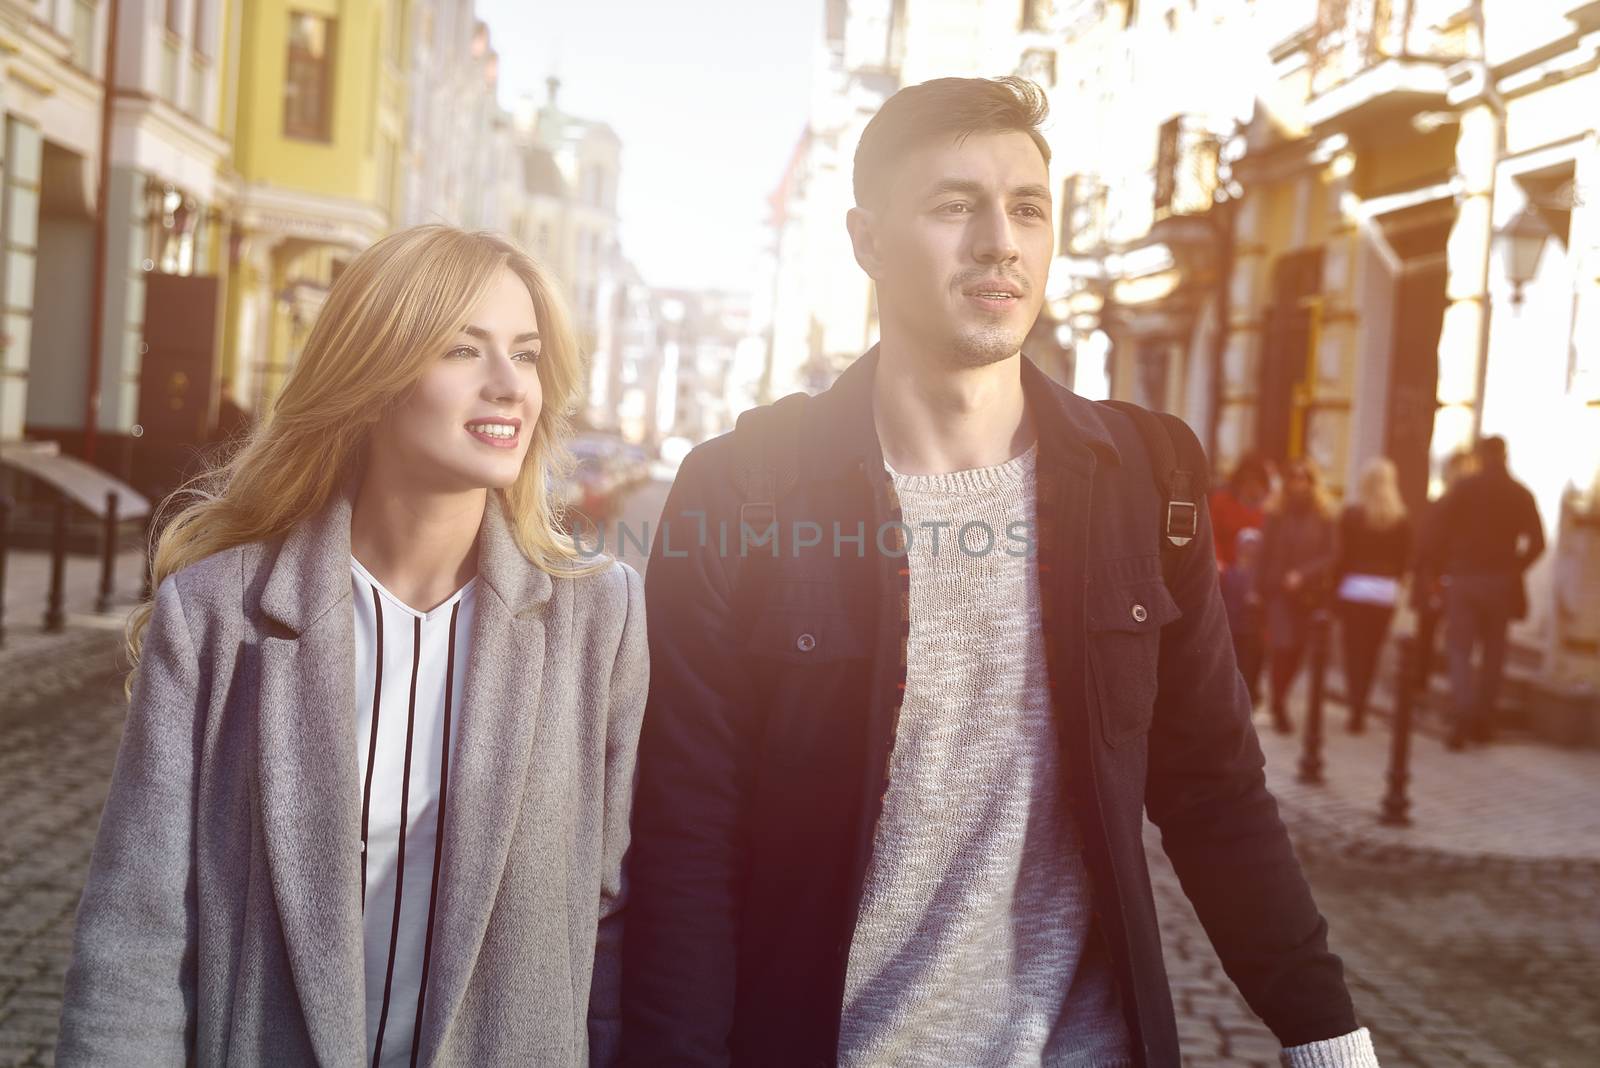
(707, 96)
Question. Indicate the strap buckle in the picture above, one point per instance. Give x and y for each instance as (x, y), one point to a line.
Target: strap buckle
(1183, 522)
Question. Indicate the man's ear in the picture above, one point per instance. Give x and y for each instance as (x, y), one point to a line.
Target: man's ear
(862, 224)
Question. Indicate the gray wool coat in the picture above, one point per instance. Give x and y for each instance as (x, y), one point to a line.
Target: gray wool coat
(221, 923)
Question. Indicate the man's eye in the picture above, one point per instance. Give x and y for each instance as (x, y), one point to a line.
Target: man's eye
(956, 208)
(1031, 211)
(527, 356)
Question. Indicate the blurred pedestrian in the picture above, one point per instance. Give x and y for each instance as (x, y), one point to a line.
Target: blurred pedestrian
(1243, 602)
(1487, 535)
(1237, 505)
(1297, 553)
(1374, 554)
(1427, 591)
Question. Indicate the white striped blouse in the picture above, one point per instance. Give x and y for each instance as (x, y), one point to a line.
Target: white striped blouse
(410, 667)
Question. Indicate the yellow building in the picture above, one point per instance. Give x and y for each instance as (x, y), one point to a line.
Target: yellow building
(318, 145)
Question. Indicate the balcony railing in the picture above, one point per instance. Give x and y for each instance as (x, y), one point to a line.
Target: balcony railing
(1354, 36)
(1187, 158)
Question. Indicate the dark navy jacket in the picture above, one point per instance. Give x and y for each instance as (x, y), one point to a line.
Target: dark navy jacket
(765, 751)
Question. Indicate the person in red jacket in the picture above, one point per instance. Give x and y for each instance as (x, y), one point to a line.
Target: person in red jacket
(1238, 505)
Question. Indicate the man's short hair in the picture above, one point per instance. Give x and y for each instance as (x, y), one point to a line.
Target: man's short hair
(951, 108)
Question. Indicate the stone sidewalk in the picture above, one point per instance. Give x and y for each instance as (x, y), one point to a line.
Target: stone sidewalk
(1506, 803)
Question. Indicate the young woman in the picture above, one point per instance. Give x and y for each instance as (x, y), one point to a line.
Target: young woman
(1297, 552)
(372, 798)
(1374, 554)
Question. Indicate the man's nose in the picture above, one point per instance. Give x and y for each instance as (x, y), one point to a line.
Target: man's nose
(995, 240)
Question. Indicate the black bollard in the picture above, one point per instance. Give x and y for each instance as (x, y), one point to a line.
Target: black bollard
(1311, 753)
(108, 555)
(1395, 802)
(55, 616)
(5, 546)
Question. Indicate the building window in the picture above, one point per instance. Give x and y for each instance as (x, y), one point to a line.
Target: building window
(200, 37)
(1083, 215)
(1038, 65)
(396, 28)
(84, 52)
(308, 86)
(1167, 145)
(1035, 15)
(173, 222)
(1151, 372)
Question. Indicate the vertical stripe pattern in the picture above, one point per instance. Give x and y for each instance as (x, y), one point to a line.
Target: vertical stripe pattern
(404, 755)
(438, 837)
(372, 746)
(400, 864)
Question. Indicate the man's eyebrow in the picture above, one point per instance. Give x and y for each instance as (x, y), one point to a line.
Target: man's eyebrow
(966, 185)
(483, 335)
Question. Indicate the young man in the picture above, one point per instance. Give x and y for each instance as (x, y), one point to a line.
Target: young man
(893, 775)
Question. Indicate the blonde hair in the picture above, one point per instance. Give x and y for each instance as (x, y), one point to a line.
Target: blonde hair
(392, 311)
(1321, 499)
(1379, 495)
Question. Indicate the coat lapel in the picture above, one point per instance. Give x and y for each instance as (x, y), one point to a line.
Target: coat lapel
(309, 796)
(501, 700)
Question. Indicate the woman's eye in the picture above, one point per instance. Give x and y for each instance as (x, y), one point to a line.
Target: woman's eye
(461, 352)
(527, 356)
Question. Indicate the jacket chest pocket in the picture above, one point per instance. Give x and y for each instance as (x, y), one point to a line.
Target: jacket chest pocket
(811, 667)
(1125, 618)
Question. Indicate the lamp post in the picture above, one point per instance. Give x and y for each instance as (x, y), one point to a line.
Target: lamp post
(1522, 244)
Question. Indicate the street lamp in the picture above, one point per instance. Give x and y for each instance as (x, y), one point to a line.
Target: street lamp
(1522, 242)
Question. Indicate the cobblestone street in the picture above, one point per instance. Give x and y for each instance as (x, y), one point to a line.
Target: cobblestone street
(60, 721)
(1451, 962)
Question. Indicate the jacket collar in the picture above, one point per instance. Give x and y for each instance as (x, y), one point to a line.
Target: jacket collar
(311, 574)
(1070, 428)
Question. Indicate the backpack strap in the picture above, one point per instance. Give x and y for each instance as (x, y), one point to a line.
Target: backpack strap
(768, 441)
(1179, 474)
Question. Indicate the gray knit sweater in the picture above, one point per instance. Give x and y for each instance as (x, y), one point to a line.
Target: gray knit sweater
(973, 945)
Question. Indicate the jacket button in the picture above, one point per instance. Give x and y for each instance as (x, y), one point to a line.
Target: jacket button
(805, 643)
(1140, 613)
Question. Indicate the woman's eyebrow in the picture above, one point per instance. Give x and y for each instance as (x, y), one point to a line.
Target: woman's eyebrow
(483, 335)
